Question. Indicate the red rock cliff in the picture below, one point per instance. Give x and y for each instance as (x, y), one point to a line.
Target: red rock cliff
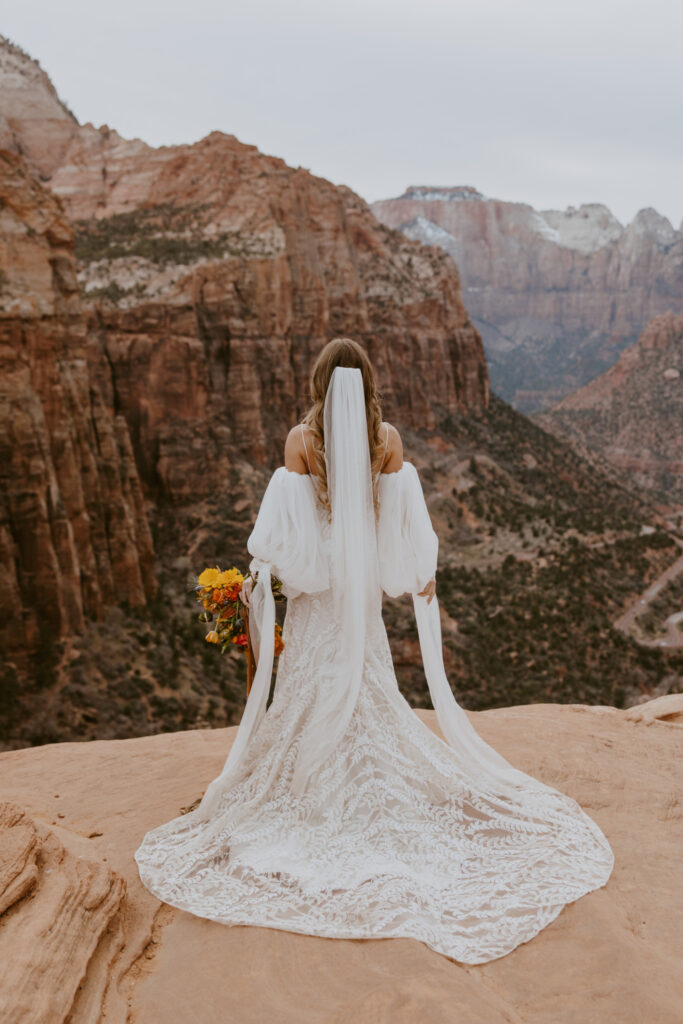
(74, 535)
(216, 273)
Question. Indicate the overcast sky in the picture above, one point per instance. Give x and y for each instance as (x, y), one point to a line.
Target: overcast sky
(549, 102)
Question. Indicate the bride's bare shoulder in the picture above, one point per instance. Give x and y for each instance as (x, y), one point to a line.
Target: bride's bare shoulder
(295, 456)
(394, 456)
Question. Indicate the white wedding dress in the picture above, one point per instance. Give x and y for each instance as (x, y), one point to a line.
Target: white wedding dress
(381, 828)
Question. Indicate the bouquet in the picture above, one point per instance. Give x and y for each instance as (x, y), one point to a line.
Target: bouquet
(219, 593)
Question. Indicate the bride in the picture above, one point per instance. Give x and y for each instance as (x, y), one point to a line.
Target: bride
(338, 812)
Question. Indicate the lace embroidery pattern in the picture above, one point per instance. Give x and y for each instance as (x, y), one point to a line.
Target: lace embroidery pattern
(393, 840)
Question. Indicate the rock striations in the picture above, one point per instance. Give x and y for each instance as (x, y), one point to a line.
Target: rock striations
(82, 940)
(179, 342)
(34, 122)
(74, 528)
(214, 273)
(217, 273)
(556, 294)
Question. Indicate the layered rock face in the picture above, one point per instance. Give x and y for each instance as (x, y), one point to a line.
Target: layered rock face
(218, 273)
(82, 940)
(556, 295)
(34, 122)
(74, 534)
(633, 413)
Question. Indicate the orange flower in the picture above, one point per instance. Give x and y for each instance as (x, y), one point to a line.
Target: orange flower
(212, 637)
(216, 596)
(279, 642)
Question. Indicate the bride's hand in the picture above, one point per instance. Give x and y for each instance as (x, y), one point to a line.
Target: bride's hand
(429, 591)
(245, 592)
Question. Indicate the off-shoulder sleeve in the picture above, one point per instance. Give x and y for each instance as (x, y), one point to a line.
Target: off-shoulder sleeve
(287, 534)
(407, 545)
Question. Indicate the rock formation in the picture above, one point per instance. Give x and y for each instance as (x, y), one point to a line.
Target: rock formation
(555, 294)
(633, 413)
(82, 939)
(74, 533)
(34, 122)
(215, 274)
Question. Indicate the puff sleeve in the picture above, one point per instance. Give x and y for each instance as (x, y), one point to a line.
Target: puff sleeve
(287, 535)
(407, 545)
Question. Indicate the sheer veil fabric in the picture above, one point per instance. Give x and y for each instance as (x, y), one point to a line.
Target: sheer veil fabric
(338, 812)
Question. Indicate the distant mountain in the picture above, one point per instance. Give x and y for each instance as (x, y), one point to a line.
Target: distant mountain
(633, 413)
(556, 295)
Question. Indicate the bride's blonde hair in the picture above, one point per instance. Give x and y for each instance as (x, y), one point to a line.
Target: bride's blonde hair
(343, 352)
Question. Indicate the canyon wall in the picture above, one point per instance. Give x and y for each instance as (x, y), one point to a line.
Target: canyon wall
(555, 294)
(215, 274)
(633, 413)
(74, 534)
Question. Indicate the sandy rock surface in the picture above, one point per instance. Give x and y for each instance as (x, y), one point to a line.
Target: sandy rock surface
(82, 939)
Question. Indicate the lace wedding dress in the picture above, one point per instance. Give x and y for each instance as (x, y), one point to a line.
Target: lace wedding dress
(338, 813)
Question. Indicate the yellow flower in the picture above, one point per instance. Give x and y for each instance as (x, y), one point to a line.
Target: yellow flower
(212, 637)
(208, 577)
(229, 576)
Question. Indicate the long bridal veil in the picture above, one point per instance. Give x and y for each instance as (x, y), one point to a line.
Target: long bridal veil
(353, 554)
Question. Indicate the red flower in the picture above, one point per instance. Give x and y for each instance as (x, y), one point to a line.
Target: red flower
(240, 639)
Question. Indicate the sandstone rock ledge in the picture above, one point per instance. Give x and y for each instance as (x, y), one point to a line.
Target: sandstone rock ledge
(81, 940)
